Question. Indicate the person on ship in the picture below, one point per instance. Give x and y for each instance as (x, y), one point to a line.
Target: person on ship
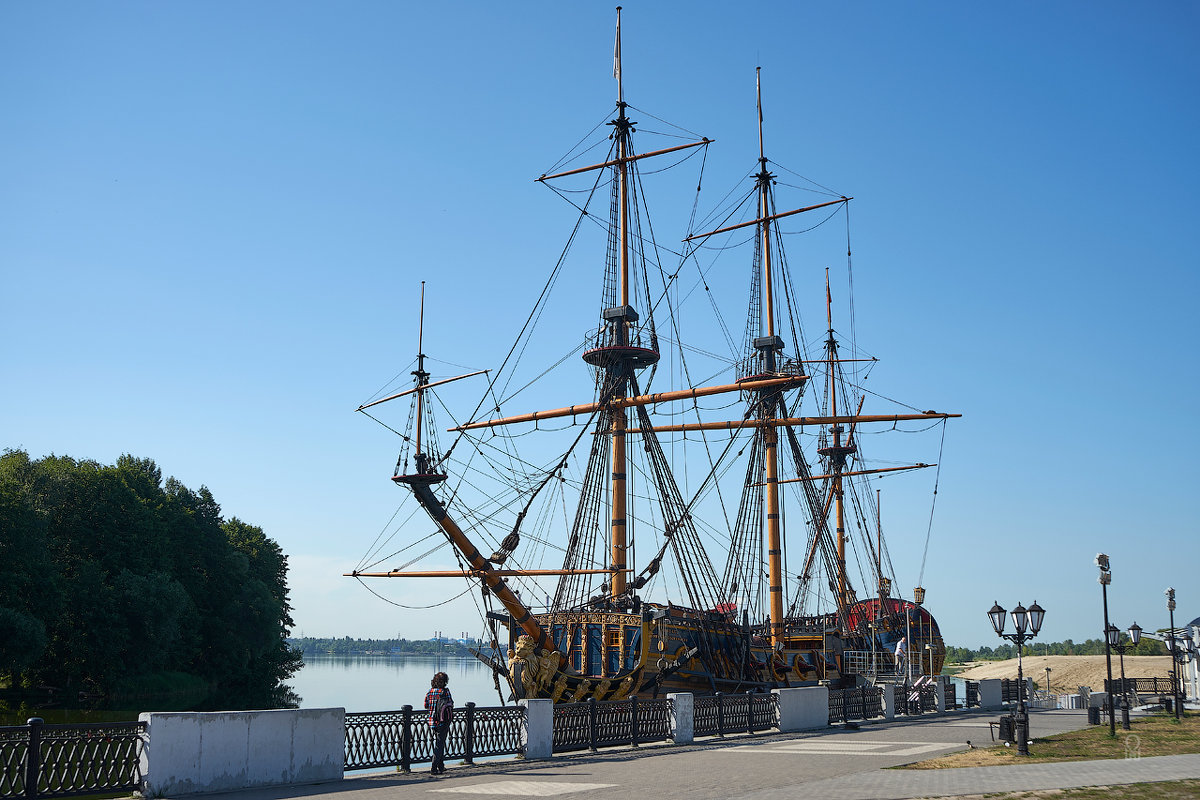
(901, 653)
(440, 706)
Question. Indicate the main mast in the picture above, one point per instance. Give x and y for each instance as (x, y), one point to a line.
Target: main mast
(769, 344)
(619, 376)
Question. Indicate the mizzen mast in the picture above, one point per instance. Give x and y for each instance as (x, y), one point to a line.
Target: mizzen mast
(837, 453)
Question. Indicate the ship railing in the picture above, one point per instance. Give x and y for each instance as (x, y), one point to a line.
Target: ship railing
(878, 663)
(855, 703)
(756, 365)
(748, 712)
(39, 760)
(404, 737)
(605, 337)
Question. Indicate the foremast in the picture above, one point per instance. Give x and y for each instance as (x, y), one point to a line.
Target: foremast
(421, 481)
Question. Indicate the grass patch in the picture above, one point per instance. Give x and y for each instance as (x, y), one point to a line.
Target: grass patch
(1166, 790)
(1159, 735)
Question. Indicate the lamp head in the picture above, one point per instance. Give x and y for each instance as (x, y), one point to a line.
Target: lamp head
(1113, 635)
(1102, 562)
(997, 614)
(1036, 615)
(1135, 633)
(919, 595)
(1020, 618)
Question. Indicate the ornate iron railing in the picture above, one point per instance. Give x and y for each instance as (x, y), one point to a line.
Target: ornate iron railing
(927, 696)
(972, 694)
(1009, 690)
(580, 726)
(572, 727)
(862, 702)
(1140, 685)
(403, 738)
(720, 714)
(38, 760)
(950, 694)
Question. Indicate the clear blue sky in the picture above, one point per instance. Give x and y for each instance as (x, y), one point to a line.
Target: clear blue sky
(214, 217)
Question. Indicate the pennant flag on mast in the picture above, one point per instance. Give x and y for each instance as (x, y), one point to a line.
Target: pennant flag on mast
(617, 48)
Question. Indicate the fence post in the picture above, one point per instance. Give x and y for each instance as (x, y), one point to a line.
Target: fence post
(591, 701)
(750, 712)
(33, 758)
(469, 736)
(683, 717)
(633, 721)
(721, 715)
(406, 738)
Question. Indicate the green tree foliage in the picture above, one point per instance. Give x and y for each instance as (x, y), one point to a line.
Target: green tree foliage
(109, 576)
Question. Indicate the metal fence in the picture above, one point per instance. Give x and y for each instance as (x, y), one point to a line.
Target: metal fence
(38, 760)
(721, 713)
(1009, 690)
(863, 702)
(1140, 686)
(586, 726)
(972, 694)
(403, 738)
(950, 693)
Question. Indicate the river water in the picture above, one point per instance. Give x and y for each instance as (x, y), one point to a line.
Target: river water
(385, 683)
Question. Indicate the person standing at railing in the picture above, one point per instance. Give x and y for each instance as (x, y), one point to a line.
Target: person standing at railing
(902, 654)
(440, 706)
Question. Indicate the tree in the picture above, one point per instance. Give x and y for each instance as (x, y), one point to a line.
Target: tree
(108, 575)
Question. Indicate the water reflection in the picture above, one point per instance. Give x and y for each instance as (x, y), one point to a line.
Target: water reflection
(385, 683)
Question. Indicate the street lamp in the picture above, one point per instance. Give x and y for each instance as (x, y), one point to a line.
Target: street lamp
(1047, 680)
(1113, 637)
(1170, 593)
(1105, 579)
(1028, 622)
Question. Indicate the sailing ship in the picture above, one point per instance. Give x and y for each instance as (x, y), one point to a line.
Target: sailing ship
(611, 629)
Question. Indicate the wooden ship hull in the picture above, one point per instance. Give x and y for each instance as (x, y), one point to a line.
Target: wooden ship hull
(611, 655)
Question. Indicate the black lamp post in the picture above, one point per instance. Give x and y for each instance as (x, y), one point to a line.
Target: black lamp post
(1028, 622)
(1113, 636)
(1174, 651)
(1105, 579)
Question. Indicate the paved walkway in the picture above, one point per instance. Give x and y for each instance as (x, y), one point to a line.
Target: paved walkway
(832, 764)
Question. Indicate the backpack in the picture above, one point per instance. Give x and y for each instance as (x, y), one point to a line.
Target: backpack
(443, 711)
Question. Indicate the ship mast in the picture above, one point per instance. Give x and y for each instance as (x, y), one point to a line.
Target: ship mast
(422, 381)
(619, 375)
(837, 454)
(769, 344)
